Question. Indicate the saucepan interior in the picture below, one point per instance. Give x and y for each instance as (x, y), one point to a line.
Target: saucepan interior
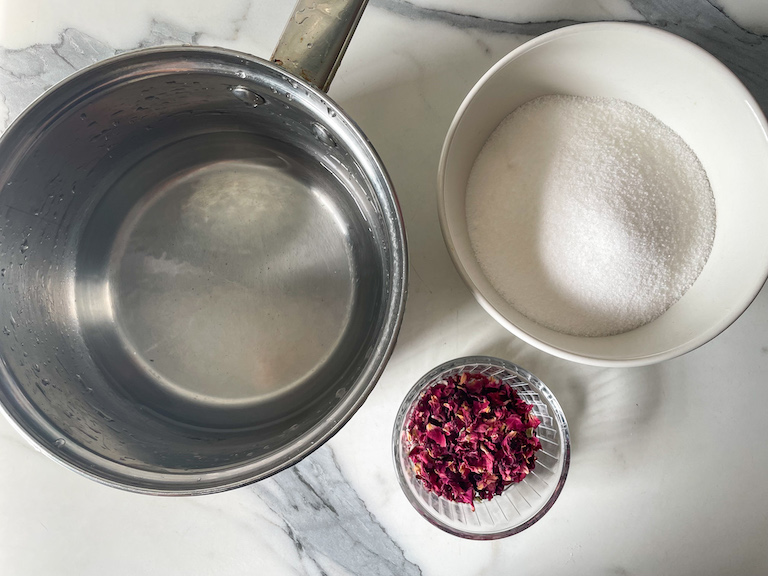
(203, 270)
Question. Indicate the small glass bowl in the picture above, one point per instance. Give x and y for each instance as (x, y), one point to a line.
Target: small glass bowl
(520, 505)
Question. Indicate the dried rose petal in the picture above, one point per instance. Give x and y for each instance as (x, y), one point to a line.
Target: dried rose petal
(470, 436)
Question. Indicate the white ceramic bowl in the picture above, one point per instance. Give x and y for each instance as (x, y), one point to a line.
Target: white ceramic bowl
(686, 88)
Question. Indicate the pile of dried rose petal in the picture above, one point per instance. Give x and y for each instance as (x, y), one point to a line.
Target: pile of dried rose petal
(470, 436)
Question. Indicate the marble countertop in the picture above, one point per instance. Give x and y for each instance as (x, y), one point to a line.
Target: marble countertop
(669, 464)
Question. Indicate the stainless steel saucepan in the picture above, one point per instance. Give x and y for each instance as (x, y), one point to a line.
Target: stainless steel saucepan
(203, 262)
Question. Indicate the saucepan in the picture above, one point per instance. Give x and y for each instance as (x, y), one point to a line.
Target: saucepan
(203, 262)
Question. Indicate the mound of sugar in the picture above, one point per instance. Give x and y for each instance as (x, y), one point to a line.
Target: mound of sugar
(589, 215)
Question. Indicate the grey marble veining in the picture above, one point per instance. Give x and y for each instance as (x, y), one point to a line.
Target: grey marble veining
(25, 74)
(329, 524)
(466, 20)
(745, 52)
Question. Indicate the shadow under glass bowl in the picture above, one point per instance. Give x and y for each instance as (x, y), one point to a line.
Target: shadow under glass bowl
(520, 505)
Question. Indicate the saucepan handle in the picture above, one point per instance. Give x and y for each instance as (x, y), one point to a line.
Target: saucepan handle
(316, 37)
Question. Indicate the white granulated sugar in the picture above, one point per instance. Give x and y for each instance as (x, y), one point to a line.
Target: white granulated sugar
(589, 215)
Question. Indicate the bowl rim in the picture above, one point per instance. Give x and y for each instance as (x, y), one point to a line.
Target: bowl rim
(588, 28)
(492, 361)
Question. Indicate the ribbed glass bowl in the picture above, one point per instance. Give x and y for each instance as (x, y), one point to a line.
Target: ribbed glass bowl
(520, 505)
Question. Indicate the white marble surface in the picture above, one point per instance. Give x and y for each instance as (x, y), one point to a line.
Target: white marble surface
(669, 462)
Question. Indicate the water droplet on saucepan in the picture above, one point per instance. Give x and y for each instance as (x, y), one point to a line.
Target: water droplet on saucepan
(36, 367)
(322, 134)
(288, 96)
(309, 44)
(2, 270)
(6, 331)
(331, 112)
(241, 74)
(60, 442)
(24, 246)
(45, 381)
(247, 96)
